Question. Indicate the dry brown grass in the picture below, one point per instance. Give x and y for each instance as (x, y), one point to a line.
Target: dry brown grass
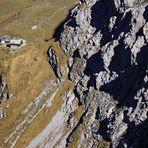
(76, 137)
(27, 70)
(25, 13)
(78, 112)
(25, 73)
(63, 59)
(44, 117)
(103, 144)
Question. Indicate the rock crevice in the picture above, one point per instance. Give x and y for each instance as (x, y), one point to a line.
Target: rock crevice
(109, 67)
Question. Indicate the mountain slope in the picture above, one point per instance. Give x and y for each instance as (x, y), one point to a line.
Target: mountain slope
(95, 91)
(107, 45)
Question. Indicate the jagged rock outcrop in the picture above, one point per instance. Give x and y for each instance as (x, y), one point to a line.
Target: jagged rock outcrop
(107, 43)
(54, 62)
(4, 95)
(2, 113)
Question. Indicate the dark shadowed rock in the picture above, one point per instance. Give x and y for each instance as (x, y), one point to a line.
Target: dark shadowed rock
(107, 43)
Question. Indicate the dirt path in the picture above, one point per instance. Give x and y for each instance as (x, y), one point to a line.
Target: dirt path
(47, 22)
(14, 16)
(55, 13)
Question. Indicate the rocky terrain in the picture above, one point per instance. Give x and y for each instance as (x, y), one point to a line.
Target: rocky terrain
(95, 90)
(4, 95)
(107, 45)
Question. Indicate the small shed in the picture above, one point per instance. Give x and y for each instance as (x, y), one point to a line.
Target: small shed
(16, 43)
(5, 39)
(13, 43)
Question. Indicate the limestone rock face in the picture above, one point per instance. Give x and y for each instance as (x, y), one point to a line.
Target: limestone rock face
(4, 94)
(107, 44)
(54, 62)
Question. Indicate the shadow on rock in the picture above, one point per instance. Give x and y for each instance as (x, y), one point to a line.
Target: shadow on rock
(101, 11)
(94, 65)
(130, 77)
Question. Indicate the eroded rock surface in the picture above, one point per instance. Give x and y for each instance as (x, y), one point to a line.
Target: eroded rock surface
(54, 62)
(107, 45)
(4, 95)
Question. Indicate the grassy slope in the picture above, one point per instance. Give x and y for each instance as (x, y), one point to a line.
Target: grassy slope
(47, 14)
(44, 117)
(27, 70)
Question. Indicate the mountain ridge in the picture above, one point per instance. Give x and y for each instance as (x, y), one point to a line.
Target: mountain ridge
(108, 65)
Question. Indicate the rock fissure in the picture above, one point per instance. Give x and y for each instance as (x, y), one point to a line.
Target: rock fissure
(109, 69)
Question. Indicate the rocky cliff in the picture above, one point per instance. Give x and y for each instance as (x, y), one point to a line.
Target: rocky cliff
(106, 41)
(89, 89)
